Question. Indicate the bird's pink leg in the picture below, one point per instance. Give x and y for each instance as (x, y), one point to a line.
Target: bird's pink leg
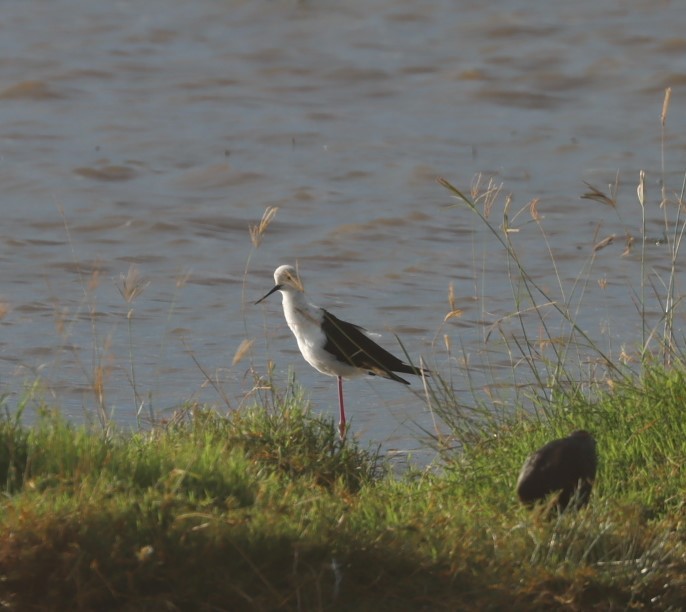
(341, 423)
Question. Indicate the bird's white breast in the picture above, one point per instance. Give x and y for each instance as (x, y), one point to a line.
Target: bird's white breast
(305, 321)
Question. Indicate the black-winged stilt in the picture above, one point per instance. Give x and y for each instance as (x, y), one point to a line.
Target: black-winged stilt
(567, 465)
(330, 345)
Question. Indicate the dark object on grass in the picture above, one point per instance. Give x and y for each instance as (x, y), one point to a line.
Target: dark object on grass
(566, 466)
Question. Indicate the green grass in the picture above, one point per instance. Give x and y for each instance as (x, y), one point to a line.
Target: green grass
(266, 509)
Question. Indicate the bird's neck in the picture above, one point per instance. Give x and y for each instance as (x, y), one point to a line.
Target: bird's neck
(298, 310)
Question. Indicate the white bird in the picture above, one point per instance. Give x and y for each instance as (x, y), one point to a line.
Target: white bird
(330, 345)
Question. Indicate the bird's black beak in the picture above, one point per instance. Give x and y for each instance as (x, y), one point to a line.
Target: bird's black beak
(272, 290)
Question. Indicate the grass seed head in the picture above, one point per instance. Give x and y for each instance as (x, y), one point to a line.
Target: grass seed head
(241, 351)
(665, 106)
(131, 285)
(257, 231)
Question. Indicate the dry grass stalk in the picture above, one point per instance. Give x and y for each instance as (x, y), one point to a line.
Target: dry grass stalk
(475, 189)
(665, 106)
(506, 217)
(257, 231)
(640, 189)
(241, 351)
(533, 209)
(131, 285)
(98, 384)
(100, 374)
(211, 380)
(488, 195)
(296, 281)
(595, 194)
(454, 311)
(608, 240)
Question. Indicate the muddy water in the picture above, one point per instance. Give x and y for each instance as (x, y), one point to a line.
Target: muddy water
(153, 133)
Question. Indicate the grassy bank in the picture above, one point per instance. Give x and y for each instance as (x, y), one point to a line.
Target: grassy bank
(267, 510)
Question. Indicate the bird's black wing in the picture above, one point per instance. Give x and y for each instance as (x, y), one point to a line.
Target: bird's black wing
(350, 344)
(561, 465)
(543, 472)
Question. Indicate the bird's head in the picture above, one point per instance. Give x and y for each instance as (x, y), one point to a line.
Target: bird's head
(286, 279)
